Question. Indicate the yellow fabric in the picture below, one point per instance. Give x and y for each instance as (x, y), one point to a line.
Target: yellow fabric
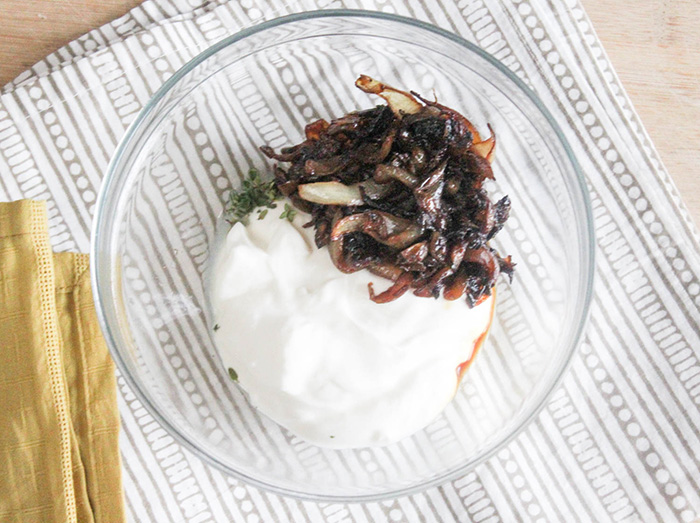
(59, 454)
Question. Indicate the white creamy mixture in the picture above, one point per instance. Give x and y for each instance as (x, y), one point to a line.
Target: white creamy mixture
(316, 355)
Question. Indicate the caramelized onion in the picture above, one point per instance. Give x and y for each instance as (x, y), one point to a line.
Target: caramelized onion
(398, 190)
(429, 197)
(384, 173)
(326, 166)
(314, 130)
(400, 286)
(400, 102)
(416, 253)
(385, 228)
(486, 148)
(331, 193)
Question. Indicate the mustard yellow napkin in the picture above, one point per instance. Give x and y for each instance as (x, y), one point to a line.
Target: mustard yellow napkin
(59, 424)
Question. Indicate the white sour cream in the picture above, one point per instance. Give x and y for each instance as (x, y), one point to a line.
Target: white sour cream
(317, 356)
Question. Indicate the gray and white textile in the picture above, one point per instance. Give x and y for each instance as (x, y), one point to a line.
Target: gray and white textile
(619, 439)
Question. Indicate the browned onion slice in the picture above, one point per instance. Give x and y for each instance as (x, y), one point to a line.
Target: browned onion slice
(416, 253)
(388, 271)
(457, 286)
(400, 102)
(400, 286)
(486, 148)
(384, 173)
(385, 228)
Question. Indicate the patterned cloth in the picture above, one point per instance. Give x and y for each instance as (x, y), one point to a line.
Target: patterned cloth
(619, 439)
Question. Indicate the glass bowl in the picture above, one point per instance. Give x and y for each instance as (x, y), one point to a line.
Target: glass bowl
(162, 198)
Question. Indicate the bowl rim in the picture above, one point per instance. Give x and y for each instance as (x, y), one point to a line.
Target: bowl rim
(102, 286)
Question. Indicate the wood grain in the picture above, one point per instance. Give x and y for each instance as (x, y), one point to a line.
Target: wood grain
(653, 44)
(32, 29)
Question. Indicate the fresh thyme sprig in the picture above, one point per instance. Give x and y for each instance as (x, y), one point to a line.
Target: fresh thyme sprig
(255, 193)
(289, 213)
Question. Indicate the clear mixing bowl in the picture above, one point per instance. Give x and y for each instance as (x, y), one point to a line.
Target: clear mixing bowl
(165, 189)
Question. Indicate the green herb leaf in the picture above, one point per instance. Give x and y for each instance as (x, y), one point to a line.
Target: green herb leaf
(254, 193)
(232, 374)
(217, 327)
(332, 437)
(289, 213)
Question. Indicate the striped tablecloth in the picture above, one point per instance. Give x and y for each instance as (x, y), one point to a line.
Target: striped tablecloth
(620, 438)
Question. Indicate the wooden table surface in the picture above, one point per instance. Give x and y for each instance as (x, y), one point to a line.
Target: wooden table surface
(653, 44)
